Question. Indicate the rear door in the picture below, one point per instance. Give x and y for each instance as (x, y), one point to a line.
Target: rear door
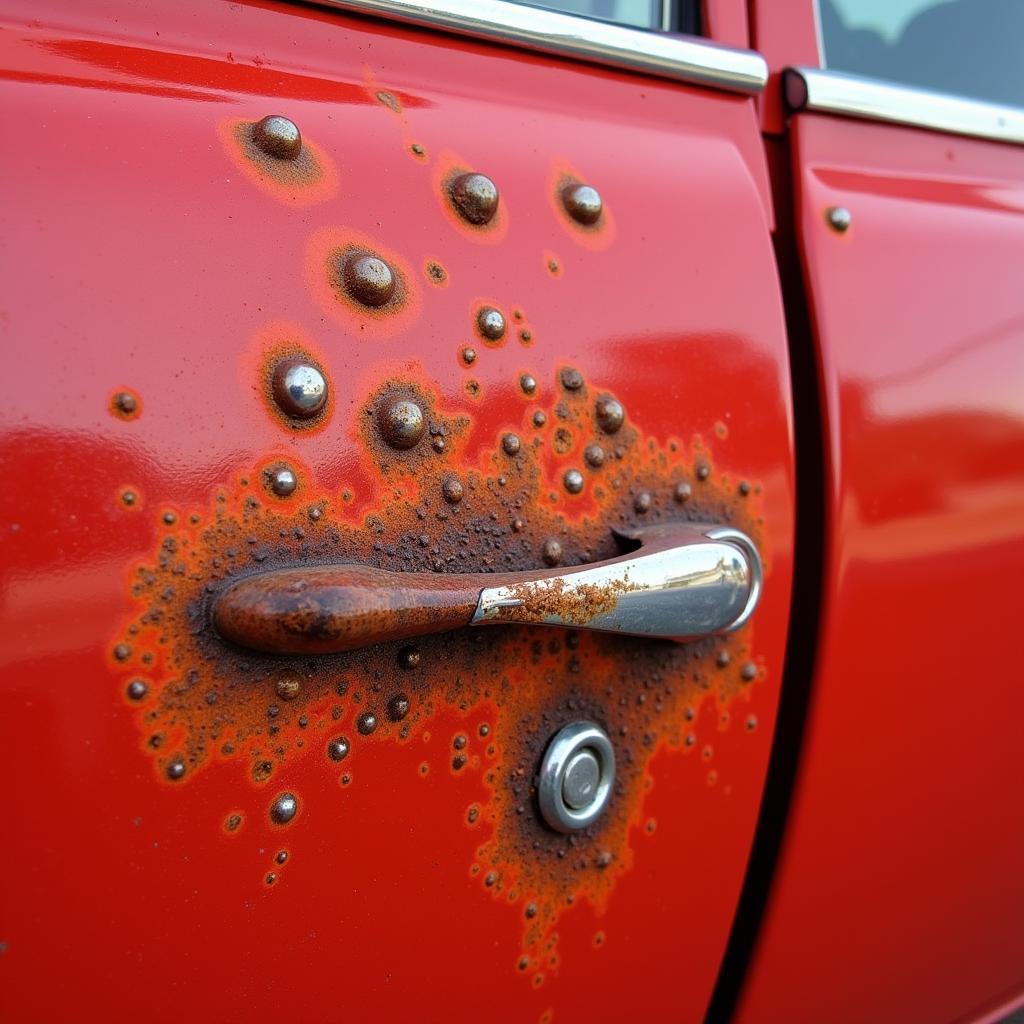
(199, 829)
(898, 894)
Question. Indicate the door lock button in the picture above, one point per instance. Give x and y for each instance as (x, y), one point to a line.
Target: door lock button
(576, 776)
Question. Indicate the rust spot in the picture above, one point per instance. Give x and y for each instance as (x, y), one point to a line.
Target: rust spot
(389, 100)
(332, 255)
(277, 345)
(436, 274)
(471, 209)
(307, 179)
(564, 187)
(212, 703)
(125, 404)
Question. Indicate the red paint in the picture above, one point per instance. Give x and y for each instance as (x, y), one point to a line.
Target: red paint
(148, 260)
(785, 33)
(899, 894)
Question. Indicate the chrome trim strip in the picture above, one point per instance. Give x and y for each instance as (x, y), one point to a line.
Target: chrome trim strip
(835, 92)
(677, 57)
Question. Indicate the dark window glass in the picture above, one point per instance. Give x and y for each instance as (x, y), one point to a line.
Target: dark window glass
(973, 48)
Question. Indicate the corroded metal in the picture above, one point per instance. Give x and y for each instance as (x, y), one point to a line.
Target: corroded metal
(475, 197)
(490, 323)
(299, 388)
(368, 279)
(277, 136)
(610, 414)
(686, 581)
(402, 423)
(582, 203)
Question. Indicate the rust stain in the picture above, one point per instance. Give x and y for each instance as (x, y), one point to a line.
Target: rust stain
(326, 253)
(305, 181)
(575, 604)
(206, 702)
(436, 273)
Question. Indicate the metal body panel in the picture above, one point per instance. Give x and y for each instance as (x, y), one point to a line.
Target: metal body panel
(898, 894)
(150, 256)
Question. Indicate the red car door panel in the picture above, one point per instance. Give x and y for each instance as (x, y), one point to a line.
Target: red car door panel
(160, 266)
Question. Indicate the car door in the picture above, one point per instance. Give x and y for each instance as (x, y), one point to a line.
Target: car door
(260, 319)
(898, 891)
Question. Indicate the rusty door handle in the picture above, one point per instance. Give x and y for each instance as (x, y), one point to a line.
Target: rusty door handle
(684, 581)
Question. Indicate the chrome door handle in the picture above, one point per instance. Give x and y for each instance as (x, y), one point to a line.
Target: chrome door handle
(683, 581)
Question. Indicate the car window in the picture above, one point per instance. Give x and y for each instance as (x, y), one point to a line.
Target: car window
(973, 48)
(636, 13)
(663, 15)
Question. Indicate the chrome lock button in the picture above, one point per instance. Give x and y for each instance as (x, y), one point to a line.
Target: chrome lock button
(576, 776)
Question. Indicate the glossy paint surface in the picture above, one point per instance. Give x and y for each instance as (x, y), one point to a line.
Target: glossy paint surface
(899, 894)
(147, 253)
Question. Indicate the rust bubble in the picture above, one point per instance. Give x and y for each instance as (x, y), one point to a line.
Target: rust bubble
(398, 707)
(510, 444)
(703, 471)
(366, 723)
(281, 856)
(642, 502)
(572, 379)
(539, 418)
(469, 356)
(743, 489)
(528, 383)
(551, 552)
(137, 690)
(573, 480)
(288, 687)
(284, 808)
(337, 749)
(122, 652)
(299, 388)
(475, 197)
(176, 770)
(368, 279)
(749, 672)
(277, 136)
(125, 404)
(610, 414)
(582, 203)
(409, 657)
(683, 492)
(490, 322)
(233, 822)
(281, 480)
(402, 423)
(452, 490)
(593, 456)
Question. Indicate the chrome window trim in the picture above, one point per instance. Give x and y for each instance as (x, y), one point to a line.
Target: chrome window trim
(836, 92)
(677, 57)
